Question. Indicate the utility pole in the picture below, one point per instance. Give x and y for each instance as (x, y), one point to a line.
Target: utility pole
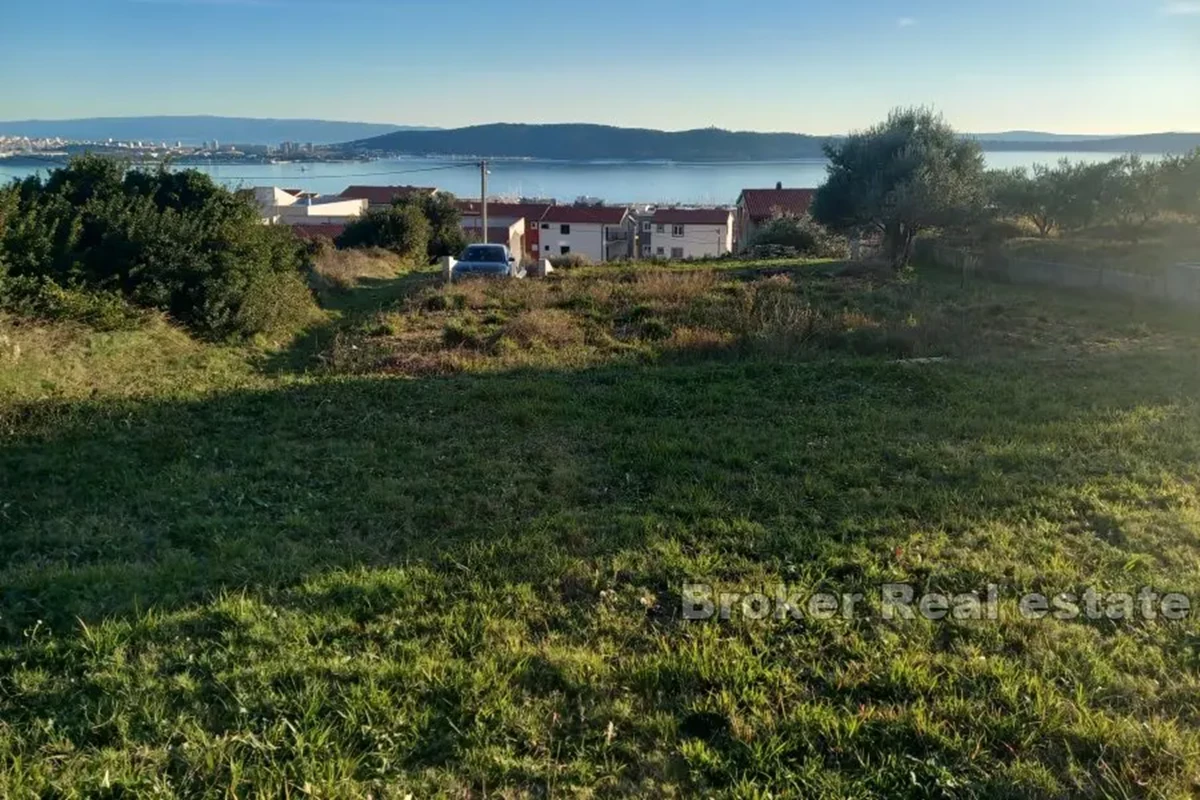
(483, 199)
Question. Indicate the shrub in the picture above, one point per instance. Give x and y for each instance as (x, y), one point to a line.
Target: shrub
(42, 298)
(175, 242)
(570, 260)
(401, 228)
(799, 235)
(446, 236)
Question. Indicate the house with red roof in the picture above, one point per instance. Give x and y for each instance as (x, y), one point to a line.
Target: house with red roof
(756, 206)
(599, 233)
(692, 232)
(384, 196)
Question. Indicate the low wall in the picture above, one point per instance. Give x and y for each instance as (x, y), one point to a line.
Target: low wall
(1178, 285)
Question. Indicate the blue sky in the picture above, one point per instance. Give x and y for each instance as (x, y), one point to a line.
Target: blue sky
(1081, 66)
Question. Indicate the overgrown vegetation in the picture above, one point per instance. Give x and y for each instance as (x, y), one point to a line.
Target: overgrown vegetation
(224, 576)
(906, 175)
(1127, 193)
(435, 546)
(421, 228)
(914, 173)
(787, 235)
(96, 235)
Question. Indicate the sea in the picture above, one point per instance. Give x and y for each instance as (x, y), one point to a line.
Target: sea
(617, 182)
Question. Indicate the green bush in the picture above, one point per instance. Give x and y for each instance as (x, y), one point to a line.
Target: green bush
(401, 228)
(171, 241)
(799, 236)
(42, 298)
(570, 260)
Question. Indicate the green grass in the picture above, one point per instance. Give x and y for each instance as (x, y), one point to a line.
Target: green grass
(1149, 251)
(437, 547)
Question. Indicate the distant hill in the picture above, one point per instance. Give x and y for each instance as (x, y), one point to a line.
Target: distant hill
(1150, 143)
(1037, 136)
(197, 129)
(578, 142)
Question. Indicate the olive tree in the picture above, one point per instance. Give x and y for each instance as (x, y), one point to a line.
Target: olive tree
(910, 173)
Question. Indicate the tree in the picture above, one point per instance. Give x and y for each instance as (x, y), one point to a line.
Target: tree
(401, 228)
(1078, 191)
(9, 200)
(1014, 193)
(1181, 183)
(176, 242)
(1136, 192)
(905, 175)
(446, 237)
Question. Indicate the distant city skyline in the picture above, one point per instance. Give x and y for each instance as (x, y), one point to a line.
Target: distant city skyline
(1072, 66)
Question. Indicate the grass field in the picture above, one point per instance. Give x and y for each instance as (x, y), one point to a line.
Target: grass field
(436, 546)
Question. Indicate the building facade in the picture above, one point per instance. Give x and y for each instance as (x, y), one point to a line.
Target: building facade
(756, 206)
(292, 207)
(691, 233)
(500, 214)
(599, 233)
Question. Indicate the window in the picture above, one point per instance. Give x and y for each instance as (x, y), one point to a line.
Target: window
(547, 248)
(659, 251)
(564, 249)
(646, 226)
(677, 231)
(646, 249)
(676, 252)
(661, 229)
(545, 226)
(565, 230)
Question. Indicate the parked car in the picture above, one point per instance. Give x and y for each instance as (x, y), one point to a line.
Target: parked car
(492, 260)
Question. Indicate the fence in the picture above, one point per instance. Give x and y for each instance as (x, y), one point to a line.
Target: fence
(1178, 285)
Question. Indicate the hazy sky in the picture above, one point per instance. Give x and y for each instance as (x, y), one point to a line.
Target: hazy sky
(1080, 66)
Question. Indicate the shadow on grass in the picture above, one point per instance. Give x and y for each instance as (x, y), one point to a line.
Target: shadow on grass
(110, 508)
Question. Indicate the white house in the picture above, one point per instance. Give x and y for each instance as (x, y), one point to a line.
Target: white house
(601, 233)
(691, 232)
(286, 207)
(509, 233)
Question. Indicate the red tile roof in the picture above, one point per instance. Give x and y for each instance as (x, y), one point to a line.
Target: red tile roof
(604, 215)
(383, 195)
(530, 211)
(763, 204)
(318, 231)
(691, 216)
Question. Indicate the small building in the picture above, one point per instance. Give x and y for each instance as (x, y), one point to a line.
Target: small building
(289, 207)
(384, 196)
(502, 214)
(599, 233)
(756, 206)
(642, 219)
(692, 232)
(511, 234)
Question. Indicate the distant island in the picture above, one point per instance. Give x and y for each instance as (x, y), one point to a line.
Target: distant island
(201, 139)
(194, 130)
(580, 142)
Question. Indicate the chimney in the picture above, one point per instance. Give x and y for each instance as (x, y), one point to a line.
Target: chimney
(778, 185)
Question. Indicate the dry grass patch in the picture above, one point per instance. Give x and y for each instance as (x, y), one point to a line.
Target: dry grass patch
(342, 270)
(674, 288)
(551, 327)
